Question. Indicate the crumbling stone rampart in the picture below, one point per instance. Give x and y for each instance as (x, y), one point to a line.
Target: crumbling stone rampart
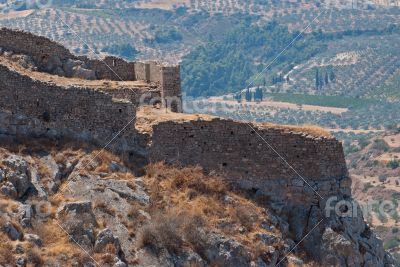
(53, 58)
(67, 111)
(230, 148)
(234, 150)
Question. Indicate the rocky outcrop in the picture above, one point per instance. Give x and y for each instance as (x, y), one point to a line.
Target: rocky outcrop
(97, 212)
(16, 176)
(78, 220)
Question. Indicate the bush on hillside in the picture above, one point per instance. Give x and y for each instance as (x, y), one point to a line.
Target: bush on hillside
(393, 164)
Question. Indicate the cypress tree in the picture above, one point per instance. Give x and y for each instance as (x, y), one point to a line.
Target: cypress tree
(326, 78)
(332, 76)
(248, 95)
(321, 80)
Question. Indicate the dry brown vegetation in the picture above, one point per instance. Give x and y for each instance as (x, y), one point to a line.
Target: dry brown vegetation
(186, 205)
(6, 249)
(310, 129)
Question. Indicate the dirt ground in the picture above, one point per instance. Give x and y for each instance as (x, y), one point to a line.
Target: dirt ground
(277, 104)
(393, 140)
(70, 82)
(16, 14)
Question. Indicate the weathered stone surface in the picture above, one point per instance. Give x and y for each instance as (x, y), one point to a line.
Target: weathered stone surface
(226, 252)
(17, 175)
(34, 239)
(8, 189)
(78, 220)
(25, 214)
(104, 238)
(12, 232)
(20, 261)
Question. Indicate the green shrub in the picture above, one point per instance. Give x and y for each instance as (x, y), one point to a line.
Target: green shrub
(367, 186)
(393, 164)
(391, 243)
(381, 145)
(382, 178)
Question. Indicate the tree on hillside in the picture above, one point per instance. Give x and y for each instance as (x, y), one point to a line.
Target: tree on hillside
(258, 95)
(326, 78)
(248, 95)
(321, 80)
(332, 76)
(238, 97)
(317, 79)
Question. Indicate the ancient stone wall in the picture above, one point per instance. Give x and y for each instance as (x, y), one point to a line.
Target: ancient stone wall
(112, 68)
(142, 71)
(83, 111)
(235, 151)
(138, 96)
(41, 49)
(171, 87)
(53, 58)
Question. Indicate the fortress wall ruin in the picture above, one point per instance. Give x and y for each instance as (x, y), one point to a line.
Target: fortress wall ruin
(234, 150)
(142, 71)
(41, 49)
(171, 84)
(84, 111)
(50, 56)
(111, 68)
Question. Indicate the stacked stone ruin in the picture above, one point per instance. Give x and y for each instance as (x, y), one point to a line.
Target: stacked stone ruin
(88, 112)
(36, 108)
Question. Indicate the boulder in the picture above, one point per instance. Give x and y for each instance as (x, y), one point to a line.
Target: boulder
(17, 174)
(338, 249)
(20, 181)
(82, 73)
(8, 189)
(120, 264)
(226, 252)
(2, 175)
(33, 239)
(104, 238)
(19, 249)
(189, 258)
(271, 257)
(68, 66)
(20, 261)
(294, 261)
(52, 63)
(267, 239)
(12, 232)
(25, 213)
(16, 163)
(78, 220)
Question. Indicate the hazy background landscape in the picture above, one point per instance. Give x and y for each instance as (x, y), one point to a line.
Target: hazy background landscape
(342, 72)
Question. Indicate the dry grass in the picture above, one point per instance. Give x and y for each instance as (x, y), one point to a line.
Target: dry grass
(310, 129)
(171, 231)
(34, 257)
(6, 250)
(186, 205)
(8, 206)
(101, 205)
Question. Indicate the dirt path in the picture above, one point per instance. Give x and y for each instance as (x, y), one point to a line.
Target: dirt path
(16, 14)
(277, 104)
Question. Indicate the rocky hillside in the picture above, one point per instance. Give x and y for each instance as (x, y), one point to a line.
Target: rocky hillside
(74, 205)
(374, 166)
